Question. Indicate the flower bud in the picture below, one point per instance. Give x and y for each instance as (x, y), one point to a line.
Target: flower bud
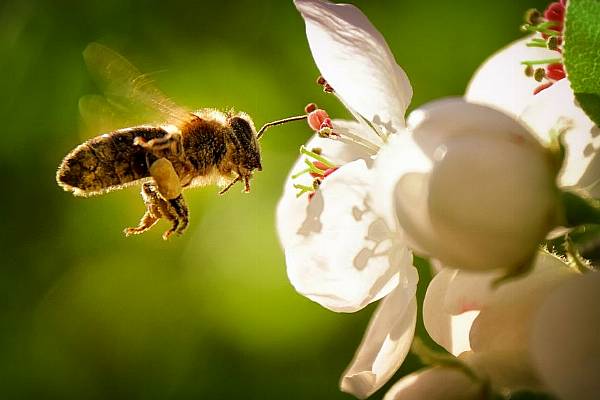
(473, 188)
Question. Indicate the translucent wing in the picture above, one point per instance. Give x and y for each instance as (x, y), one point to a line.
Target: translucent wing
(130, 97)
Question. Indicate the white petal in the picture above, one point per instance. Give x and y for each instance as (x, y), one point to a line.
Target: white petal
(385, 344)
(507, 371)
(437, 383)
(500, 335)
(503, 320)
(566, 339)
(356, 61)
(292, 211)
(555, 106)
(469, 291)
(449, 329)
(500, 82)
(344, 256)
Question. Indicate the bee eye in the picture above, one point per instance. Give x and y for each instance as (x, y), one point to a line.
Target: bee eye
(246, 142)
(242, 130)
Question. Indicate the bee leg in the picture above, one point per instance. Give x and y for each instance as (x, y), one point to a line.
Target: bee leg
(153, 210)
(178, 215)
(157, 207)
(246, 184)
(172, 204)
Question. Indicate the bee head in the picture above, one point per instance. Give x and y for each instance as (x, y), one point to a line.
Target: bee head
(246, 143)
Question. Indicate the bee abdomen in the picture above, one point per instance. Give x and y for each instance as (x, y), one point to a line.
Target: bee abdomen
(106, 162)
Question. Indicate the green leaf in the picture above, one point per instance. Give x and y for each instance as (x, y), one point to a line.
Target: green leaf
(580, 210)
(582, 54)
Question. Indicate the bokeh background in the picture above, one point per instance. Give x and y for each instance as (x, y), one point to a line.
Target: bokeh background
(87, 313)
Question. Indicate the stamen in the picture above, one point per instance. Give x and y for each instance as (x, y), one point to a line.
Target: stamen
(345, 136)
(366, 123)
(302, 189)
(327, 88)
(529, 71)
(533, 16)
(318, 157)
(555, 71)
(553, 43)
(312, 168)
(539, 74)
(541, 62)
(550, 25)
(299, 174)
(544, 27)
(310, 107)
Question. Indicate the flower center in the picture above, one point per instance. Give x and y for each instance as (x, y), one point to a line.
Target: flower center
(318, 167)
(550, 26)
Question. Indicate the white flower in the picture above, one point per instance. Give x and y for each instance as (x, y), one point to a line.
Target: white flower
(465, 191)
(471, 186)
(346, 246)
(500, 83)
(538, 332)
(340, 251)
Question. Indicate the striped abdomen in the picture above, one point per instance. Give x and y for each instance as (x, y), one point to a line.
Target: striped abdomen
(106, 162)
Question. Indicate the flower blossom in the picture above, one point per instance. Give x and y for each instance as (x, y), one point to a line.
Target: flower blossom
(535, 332)
(500, 83)
(340, 251)
(467, 184)
(539, 332)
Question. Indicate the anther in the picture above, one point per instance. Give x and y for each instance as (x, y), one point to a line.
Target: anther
(555, 12)
(552, 43)
(555, 71)
(310, 107)
(316, 183)
(529, 71)
(539, 74)
(316, 118)
(533, 16)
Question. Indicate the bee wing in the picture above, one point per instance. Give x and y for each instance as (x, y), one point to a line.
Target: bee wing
(126, 91)
(101, 115)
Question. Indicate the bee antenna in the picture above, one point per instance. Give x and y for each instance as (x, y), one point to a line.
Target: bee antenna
(279, 122)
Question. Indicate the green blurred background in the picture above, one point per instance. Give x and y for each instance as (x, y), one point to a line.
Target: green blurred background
(87, 313)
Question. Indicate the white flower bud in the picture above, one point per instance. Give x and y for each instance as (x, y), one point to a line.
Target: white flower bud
(471, 186)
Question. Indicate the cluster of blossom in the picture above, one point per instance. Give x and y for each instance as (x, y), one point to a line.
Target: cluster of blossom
(475, 184)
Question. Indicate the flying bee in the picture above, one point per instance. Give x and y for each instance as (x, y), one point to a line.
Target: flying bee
(187, 149)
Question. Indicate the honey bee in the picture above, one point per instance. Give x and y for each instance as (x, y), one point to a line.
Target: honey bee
(187, 149)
